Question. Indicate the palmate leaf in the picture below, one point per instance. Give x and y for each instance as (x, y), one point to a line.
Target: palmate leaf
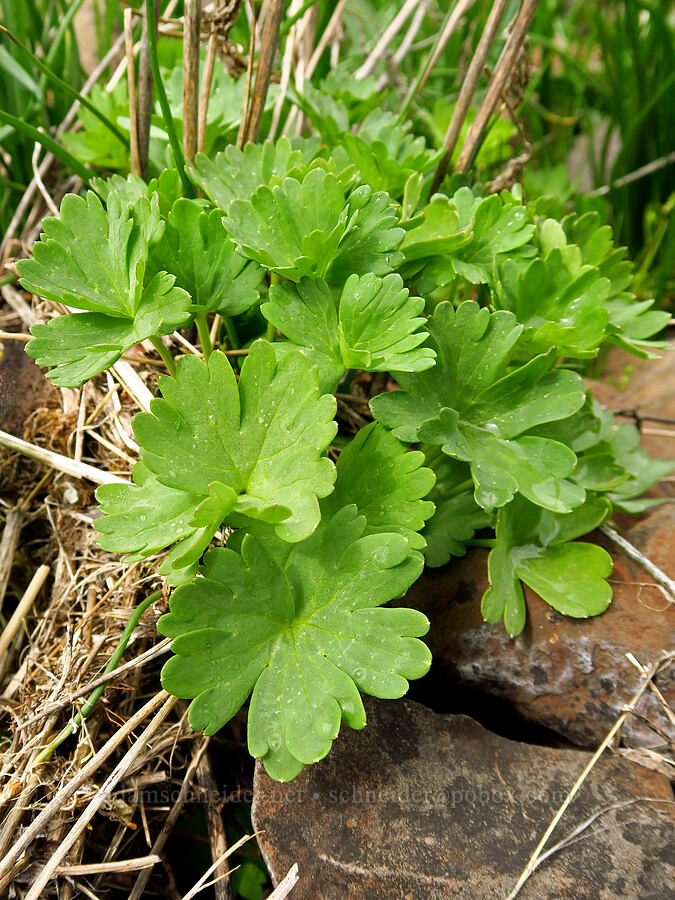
(237, 174)
(386, 482)
(374, 325)
(538, 547)
(633, 323)
(303, 637)
(560, 301)
(214, 449)
(467, 236)
(475, 412)
(308, 228)
(196, 248)
(94, 259)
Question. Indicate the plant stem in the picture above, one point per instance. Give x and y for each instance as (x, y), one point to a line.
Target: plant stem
(204, 335)
(163, 100)
(163, 351)
(490, 543)
(232, 333)
(96, 694)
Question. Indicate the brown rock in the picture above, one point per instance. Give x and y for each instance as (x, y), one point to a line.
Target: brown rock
(571, 675)
(423, 806)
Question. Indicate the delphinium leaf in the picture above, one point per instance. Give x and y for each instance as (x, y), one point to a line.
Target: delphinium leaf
(215, 449)
(477, 411)
(308, 228)
(536, 547)
(196, 248)
(374, 325)
(633, 323)
(303, 637)
(560, 302)
(93, 258)
(237, 174)
(467, 236)
(387, 482)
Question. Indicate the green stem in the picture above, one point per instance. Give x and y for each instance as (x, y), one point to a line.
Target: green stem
(163, 100)
(163, 351)
(270, 332)
(48, 143)
(490, 543)
(96, 694)
(52, 76)
(291, 20)
(8, 279)
(204, 336)
(232, 333)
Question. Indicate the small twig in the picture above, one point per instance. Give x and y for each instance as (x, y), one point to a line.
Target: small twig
(533, 860)
(215, 827)
(59, 462)
(107, 868)
(41, 821)
(191, 39)
(145, 91)
(634, 554)
(205, 92)
(268, 49)
(15, 336)
(102, 794)
(8, 544)
(132, 384)
(131, 81)
(245, 112)
(505, 63)
(654, 166)
(451, 22)
(22, 608)
(53, 208)
(468, 89)
(385, 40)
(284, 887)
(201, 884)
(170, 821)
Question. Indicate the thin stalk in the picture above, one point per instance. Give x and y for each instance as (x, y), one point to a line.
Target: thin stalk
(204, 335)
(468, 90)
(163, 100)
(131, 81)
(232, 333)
(65, 87)
(163, 351)
(49, 144)
(269, 41)
(144, 111)
(96, 694)
(191, 38)
(291, 20)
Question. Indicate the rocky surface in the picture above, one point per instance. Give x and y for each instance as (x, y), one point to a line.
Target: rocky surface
(420, 806)
(571, 675)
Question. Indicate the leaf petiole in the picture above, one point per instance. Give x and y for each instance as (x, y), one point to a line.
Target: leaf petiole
(204, 335)
(163, 351)
(96, 694)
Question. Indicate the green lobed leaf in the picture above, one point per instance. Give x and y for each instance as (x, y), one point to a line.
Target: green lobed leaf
(216, 449)
(308, 228)
(237, 174)
(467, 236)
(302, 638)
(94, 259)
(477, 413)
(533, 546)
(386, 482)
(374, 325)
(196, 248)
